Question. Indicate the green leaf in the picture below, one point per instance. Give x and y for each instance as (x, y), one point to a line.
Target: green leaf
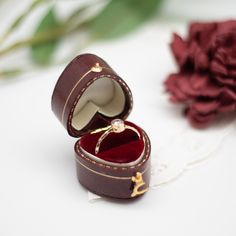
(119, 17)
(42, 52)
(20, 19)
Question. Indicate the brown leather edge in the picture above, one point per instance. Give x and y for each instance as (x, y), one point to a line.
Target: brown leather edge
(70, 87)
(111, 181)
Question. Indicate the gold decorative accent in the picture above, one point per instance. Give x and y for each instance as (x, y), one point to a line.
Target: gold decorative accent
(138, 180)
(97, 68)
(100, 129)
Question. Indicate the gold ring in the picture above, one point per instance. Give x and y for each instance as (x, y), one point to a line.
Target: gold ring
(117, 126)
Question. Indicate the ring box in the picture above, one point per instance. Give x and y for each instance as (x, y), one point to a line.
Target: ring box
(87, 97)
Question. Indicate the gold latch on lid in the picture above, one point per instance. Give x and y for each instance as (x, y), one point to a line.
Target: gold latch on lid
(138, 183)
(96, 68)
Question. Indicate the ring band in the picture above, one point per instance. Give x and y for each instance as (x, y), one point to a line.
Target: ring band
(117, 126)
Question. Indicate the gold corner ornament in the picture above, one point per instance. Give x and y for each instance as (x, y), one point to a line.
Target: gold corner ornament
(96, 68)
(138, 183)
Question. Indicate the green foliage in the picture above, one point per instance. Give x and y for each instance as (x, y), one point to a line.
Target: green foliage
(119, 17)
(42, 52)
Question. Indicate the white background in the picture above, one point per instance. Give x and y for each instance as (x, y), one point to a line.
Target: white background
(39, 192)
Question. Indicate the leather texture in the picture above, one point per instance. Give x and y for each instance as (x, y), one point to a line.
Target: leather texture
(103, 179)
(70, 88)
(111, 180)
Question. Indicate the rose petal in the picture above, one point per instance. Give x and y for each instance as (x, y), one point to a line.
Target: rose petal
(198, 120)
(228, 94)
(226, 26)
(176, 94)
(220, 55)
(201, 60)
(227, 108)
(202, 33)
(206, 82)
(231, 59)
(183, 83)
(226, 81)
(193, 47)
(198, 81)
(232, 73)
(217, 68)
(170, 82)
(206, 107)
(212, 91)
(179, 49)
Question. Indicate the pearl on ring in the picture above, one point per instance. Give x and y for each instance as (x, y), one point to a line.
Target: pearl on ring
(117, 125)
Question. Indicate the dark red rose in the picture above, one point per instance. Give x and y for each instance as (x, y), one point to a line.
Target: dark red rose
(206, 82)
(223, 63)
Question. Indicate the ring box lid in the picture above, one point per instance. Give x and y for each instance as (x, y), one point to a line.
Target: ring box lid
(89, 94)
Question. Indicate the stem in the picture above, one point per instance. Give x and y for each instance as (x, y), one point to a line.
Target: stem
(46, 36)
(9, 73)
(40, 38)
(19, 19)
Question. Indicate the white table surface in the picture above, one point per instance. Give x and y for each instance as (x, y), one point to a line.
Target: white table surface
(39, 192)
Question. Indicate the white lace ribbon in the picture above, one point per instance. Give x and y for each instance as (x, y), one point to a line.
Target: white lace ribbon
(187, 150)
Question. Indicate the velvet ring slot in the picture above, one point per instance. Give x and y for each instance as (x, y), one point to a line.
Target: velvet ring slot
(87, 97)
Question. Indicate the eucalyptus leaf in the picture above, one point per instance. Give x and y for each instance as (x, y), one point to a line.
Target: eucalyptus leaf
(22, 17)
(18, 21)
(76, 19)
(119, 17)
(42, 53)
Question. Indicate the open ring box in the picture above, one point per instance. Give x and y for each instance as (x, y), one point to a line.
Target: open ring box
(86, 98)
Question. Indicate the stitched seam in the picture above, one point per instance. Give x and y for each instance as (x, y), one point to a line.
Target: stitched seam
(68, 98)
(77, 83)
(106, 175)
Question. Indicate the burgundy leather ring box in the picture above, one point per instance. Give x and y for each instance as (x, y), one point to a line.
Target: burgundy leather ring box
(86, 98)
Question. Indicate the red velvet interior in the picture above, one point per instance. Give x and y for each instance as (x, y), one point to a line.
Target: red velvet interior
(119, 148)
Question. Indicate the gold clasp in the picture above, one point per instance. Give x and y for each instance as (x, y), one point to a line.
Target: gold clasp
(96, 68)
(138, 180)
